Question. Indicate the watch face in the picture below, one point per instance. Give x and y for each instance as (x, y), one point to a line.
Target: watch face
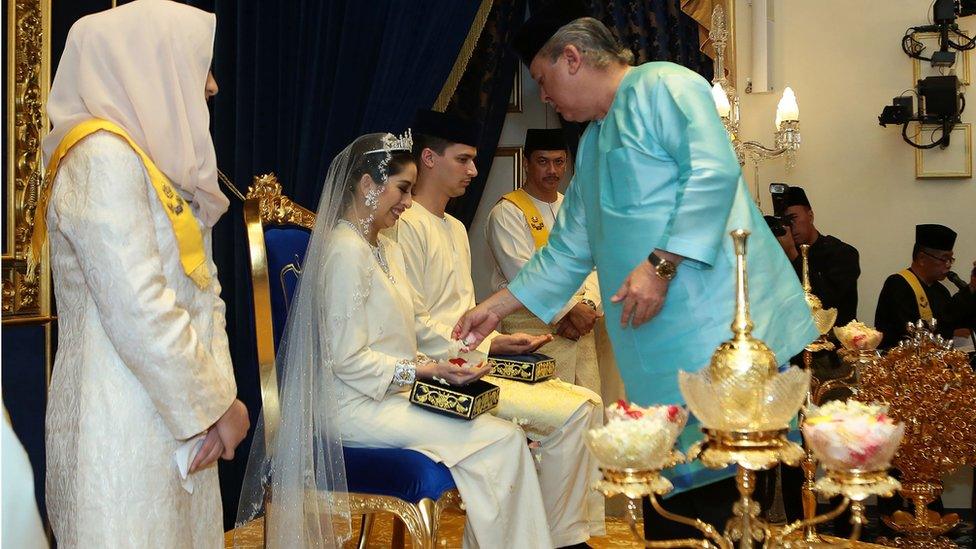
(666, 270)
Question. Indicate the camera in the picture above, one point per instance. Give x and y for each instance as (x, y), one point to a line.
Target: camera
(776, 222)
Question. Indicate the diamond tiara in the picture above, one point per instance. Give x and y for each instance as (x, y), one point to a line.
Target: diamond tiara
(402, 142)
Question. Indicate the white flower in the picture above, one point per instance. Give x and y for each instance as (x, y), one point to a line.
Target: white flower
(858, 336)
(636, 437)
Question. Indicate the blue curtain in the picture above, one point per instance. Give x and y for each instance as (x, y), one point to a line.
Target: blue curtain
(655, 30)
(298, 82)
(483, 94)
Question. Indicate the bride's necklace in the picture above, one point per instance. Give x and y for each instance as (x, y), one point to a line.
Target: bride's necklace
(377, 252)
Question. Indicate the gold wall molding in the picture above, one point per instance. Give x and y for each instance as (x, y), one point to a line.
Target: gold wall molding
(28, 78)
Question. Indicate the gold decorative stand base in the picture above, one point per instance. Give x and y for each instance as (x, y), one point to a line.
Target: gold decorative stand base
(925, 528)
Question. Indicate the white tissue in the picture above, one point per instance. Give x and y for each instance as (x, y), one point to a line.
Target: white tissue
(183, 456)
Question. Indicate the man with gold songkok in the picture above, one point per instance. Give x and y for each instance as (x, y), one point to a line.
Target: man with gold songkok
(917, 293)
(519, 225)
(142, 394)
(555, 415)
(656, 191)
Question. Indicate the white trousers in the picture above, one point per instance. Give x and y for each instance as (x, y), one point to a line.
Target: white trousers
(567, 472)
(488, 458)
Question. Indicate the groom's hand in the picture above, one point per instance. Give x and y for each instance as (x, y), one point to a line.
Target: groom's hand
(209, 451)
(232, 428)
(517, 344)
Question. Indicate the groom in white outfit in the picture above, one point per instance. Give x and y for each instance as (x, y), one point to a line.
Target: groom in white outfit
(554, 414)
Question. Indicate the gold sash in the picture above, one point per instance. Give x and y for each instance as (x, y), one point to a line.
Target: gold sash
(523, 202)
(924, 310)
(189, 239)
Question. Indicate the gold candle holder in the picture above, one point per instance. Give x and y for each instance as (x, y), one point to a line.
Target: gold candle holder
(824, 319)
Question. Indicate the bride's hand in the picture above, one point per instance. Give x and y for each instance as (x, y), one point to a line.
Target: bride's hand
(455, 375)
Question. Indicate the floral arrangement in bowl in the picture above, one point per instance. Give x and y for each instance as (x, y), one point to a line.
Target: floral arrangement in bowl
(857, 336)
(850, 435)
(636, 437)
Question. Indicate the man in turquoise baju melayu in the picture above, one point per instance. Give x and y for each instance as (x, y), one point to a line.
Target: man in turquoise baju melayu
(656, 183)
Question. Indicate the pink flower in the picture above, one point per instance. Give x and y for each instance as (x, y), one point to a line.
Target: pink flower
(673, 413)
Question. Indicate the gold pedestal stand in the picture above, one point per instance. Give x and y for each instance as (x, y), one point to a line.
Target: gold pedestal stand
(750, 452)
(746, 406)
(924, 528)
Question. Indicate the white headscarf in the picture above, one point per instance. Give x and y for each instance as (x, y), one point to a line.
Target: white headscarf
(144, 67)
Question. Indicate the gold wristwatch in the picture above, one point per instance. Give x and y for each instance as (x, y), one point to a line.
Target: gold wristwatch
(664, 268)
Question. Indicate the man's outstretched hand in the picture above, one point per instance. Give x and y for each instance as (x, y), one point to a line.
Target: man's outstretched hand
(475, 325)
(478, 323)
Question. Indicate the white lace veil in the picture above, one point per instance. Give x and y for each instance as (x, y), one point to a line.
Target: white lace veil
(302, 464)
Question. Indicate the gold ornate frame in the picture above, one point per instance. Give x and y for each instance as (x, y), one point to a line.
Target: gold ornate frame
(961, 132)
(28, 68)
(28, 80)
(962, 68)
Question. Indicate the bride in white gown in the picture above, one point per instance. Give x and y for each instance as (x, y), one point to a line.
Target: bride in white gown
(349, 358)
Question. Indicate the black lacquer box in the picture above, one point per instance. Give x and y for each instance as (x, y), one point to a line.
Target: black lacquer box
(465, 401)
(530, 368)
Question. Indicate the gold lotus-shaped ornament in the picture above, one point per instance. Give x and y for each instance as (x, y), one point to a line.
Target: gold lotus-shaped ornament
(741, 389)
(823, 319)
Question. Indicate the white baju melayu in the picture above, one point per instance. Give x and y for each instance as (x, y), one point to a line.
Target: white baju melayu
(142, 364)
(588, 361)
(553, 413)
(487, 456)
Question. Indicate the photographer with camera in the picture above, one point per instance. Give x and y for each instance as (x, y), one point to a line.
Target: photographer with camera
(834, 264)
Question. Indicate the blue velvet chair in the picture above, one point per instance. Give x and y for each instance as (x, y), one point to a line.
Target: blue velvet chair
(403, 482)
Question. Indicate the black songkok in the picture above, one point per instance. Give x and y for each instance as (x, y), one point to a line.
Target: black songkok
(544, 140)
(538, 29)
(796, 196)
(936, 237)
(448, 127)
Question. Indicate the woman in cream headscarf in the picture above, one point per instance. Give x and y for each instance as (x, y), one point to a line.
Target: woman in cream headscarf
(142, 398)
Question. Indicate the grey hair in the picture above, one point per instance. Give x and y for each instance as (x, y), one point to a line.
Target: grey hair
(597, 44)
